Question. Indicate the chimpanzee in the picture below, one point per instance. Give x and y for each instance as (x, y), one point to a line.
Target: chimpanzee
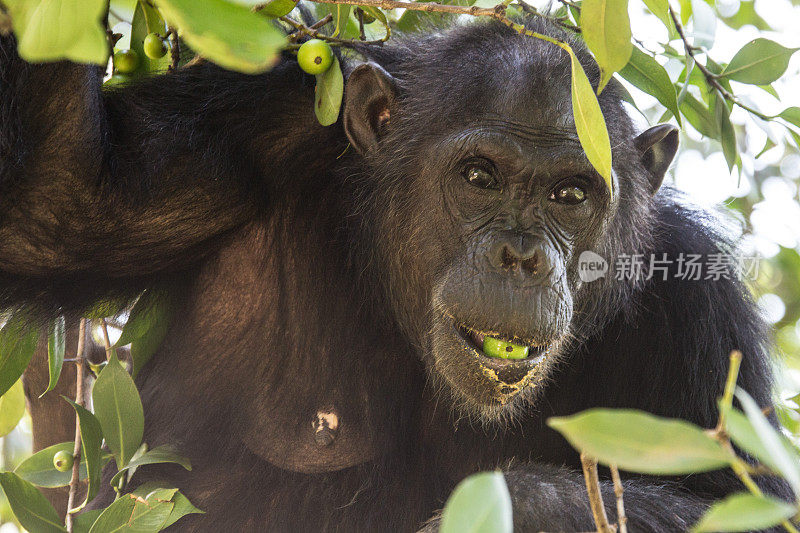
(369, 312)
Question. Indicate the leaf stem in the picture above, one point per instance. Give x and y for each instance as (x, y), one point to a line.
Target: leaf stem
(730, 386)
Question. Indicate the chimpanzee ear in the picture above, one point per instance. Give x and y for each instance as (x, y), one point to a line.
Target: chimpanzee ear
(657, 147)
(368, 104)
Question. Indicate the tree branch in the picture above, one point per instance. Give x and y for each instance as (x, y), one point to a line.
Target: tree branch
(80, 361)
(622, 520)
(595, 497)
(711, 78)
(106, 341)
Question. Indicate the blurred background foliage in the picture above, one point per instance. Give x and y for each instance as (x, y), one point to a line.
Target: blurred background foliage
(760, 198)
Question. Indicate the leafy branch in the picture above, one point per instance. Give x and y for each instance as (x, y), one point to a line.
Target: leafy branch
(711, 78)
(639, 442)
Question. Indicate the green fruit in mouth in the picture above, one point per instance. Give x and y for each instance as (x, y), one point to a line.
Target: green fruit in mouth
(504, 350)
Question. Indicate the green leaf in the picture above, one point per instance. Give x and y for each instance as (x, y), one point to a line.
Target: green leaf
(641, 442)
(745, 437)
(783, 461)
(705, 24)
(17, 344)
(30, 507)
(147, 326)
(12, 408)
(146, 19)
(647, 74)
(39, 470)
(132, 513)
(56, 348)
(768, 145)
(230, 35)
(660, 8)
(589, 123)
(182, 508)
(160, 454)
(278, 8)
(606, 28)
(91, 440)
(699, 116)
(375, 13)
(48, 30)
(479, 504)
(118, 408)
(341, 15)
(747, 16)
(329, 91)
(744, 512)
(791, 115)
(726, 131)
(759, 62)
(795, 137)
(83, 522)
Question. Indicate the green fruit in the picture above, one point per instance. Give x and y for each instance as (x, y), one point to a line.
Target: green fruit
(504, 350)
(117, 79)
(63, 461)
(126, 61)
(154, 46)
(315, 56)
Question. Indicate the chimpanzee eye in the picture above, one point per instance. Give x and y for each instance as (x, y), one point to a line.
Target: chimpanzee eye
(569, 194)
(480, 176)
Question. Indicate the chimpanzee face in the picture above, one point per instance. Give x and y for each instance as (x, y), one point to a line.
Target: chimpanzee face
(483, 201)
(516, 202)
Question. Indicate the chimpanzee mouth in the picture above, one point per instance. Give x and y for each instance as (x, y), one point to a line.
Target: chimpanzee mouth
(498, 350)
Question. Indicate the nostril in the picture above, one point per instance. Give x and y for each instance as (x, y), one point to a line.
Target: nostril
(508, 260)
(531, 264)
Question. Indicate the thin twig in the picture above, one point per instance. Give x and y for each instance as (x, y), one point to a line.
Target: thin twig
(529, 9)
(106, 341)
(175, 49)
(740, 468)
(295, 35)
(595, 497)
(622, 520)
(313, 33)
(429, 7)
(76, 451)
(711, 78)
(730, 387)
(360, 15)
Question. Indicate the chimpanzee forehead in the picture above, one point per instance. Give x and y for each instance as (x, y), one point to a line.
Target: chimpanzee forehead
(524, 90)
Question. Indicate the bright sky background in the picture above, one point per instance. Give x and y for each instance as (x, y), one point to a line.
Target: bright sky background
(705, 178)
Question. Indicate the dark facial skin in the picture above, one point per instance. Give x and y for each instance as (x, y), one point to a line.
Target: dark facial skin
(517, 212)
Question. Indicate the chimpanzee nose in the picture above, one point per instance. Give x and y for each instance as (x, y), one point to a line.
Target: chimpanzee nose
(517, 253)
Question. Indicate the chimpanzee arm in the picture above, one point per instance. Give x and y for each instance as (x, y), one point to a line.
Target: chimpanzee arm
(550, 498)
(102, 190)
(547, 498)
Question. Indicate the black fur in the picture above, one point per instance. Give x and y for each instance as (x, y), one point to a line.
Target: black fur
(304, 275)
